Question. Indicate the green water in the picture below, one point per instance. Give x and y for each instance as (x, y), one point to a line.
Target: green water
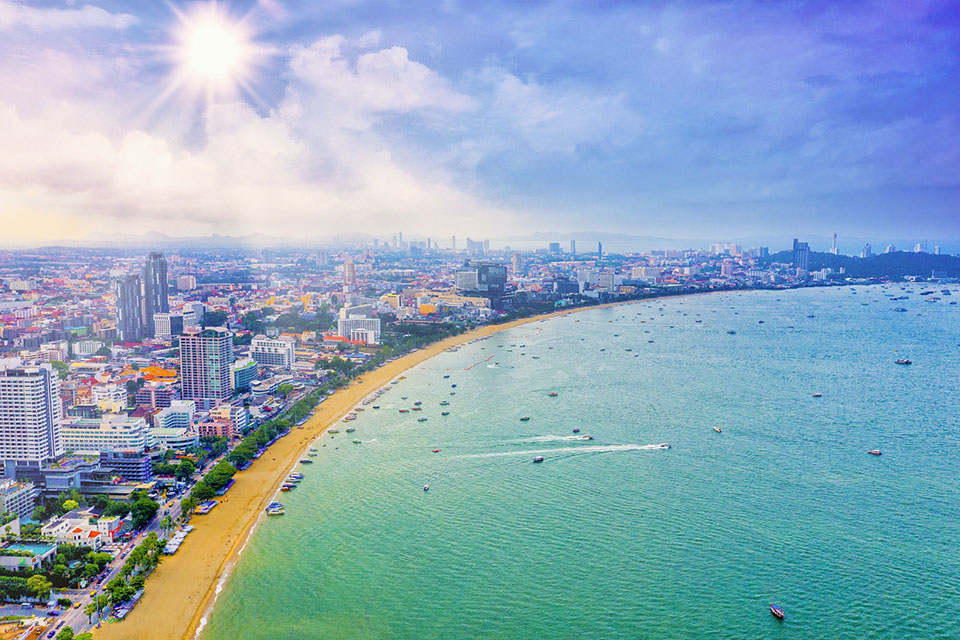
(612, 538)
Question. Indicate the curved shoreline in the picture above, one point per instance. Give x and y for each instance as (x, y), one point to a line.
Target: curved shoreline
(182, 593)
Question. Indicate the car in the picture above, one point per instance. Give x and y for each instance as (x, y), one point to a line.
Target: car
(93, 593)
(76, 605)
(53, 613)
(52, 633)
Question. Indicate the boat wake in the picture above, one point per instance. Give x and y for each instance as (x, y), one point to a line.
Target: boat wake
(605, 448)
(551, 438)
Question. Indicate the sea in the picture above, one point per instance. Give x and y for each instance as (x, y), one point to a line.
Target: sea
(622, 536)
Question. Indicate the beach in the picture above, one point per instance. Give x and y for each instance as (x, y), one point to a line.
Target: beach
(182, 590)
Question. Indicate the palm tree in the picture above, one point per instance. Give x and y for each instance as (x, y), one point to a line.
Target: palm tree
(166, 523)
(90, 609)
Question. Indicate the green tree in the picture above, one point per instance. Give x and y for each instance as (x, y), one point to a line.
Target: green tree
(143, 511)
(104, 351)
(185, 469)
(89, 610)
(285, 389)
(65, 634)
(63, 369)
(70, 505)
(202, 491)
(90, 570)
(83, 636)
(137, 582)
(187, 505)
(39, 514)
(214, 319)
(40, 586)
(64, 603)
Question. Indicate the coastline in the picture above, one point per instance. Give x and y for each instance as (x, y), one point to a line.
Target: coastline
(181, 593)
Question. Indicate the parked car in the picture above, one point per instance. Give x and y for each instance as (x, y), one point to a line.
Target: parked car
(53, 613)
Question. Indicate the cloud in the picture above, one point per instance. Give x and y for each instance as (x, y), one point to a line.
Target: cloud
(15, 14)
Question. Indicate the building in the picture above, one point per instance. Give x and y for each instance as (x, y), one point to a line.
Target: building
(112, 393)
(110, 431)
(17, 497)
(726, 269)
(27, 557)
(644, 273)
(599, 251)
(833, 248)
(156, 295)
(349, 275)
(801, 255)
(243, 373)
(268, 352)
(236, 416)
(30, 416)
(174, 438)
(129, 308)
(573, 248)
(84, 348)
(492, 280)
(186, 283)
(867, 251)
(179, 415)
(192, 314)
(132, 466)
(154, 395)
(206, 356)
(166, 325)
(554, 248)
(466, 279)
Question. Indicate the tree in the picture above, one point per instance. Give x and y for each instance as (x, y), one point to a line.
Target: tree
(285, 389)
(64, 602)
(104, 351)
(143, 511)
(187, 505)
(137, 582)
(63, 369)
(39, 514)
(185, 469)
(40, 586)
(65, 634)
(167, 524)
(90, 609)
(214, 319)
(83, 636)
(202, 491)
(90, 570)
(70, 505)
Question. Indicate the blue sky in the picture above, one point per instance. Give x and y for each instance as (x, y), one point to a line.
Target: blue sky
(676, 119)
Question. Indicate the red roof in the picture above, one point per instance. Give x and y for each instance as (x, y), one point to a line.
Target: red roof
(93, 534)
(78, 530)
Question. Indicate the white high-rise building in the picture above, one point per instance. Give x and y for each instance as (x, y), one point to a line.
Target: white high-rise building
(179, 415)
(30, 415)
(186, 283)
(269, 352)
(112, 431)
(206, 356)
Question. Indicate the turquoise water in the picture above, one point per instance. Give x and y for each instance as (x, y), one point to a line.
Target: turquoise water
(612, 538)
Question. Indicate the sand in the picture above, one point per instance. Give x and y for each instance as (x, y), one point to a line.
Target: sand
(180, 593)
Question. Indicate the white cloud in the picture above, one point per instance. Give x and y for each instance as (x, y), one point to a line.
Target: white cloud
(15, 14)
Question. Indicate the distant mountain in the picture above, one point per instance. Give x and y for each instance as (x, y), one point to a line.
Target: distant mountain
(892, 265)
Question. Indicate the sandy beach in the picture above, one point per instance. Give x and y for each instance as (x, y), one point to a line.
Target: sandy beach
(181, 591)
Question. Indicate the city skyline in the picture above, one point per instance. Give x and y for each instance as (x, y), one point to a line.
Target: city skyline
(229, 118)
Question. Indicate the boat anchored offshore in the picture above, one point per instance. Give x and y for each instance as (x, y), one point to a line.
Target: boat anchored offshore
(553, 394)
(426, 487)
(818, 395)
(718, 430)
(875, 452)
(524, 418)
(538, 459)
(776, 611)
(904, 361)
(444, 413)
(577, 430)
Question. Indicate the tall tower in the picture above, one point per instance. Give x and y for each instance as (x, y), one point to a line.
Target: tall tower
(156, 296)
(516, 262)
(30, 416)
(599, 251)
(453, 242)
(130, 321)
(801, 255)
(349, 275)
(833, 249)
(206, 356)
(573, 248)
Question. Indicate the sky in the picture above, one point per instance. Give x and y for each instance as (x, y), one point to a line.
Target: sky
(308, 119)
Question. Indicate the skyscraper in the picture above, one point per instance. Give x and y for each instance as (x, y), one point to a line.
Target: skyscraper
(349, 275)
(206, 356)
(30, 416)
(156, 296)
(801, 255)
(834, 249)
(599, 251)
(130, 319)
(573, 247)
(867, 251)
(453, 242)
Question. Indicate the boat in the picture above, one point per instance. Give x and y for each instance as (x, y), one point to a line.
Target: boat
(404, 410)
(453, 386)
(285, 488)
(446, 376)
(436, 450)
(376, 406)
(306, 461)
(776, 611)
(426, 487)
(904, 361)
(421, 419)
(274, 511)
(312, 454)
(355, 441)
(553, 394)
(818, 395)
(444, 403)
(444, 413)
(538, 459)
(586, 437)
(351, 429)
(524, 418)
(333, 431)
(577, 430)
(718, 429)
(875, 452)
(417, 403)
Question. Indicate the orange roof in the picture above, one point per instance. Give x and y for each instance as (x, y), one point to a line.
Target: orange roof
(78, 530)
(93, 534)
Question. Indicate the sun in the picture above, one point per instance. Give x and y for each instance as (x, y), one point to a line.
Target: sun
(213, 53)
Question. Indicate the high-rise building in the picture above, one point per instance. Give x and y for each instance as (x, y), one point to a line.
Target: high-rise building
(834, 249)
(801, 255)
(453, 242)
(186, 283)
(129, 308)
(554, 247)
(466, 279)
(30, 415)
(156, 295)
(920, 247)
(166, 325)
(936, 249)
(349, 275)
(516, 262)
(890, 249)
(206, 356)
(599, 251)
(573, 247)
(867, 251)
(271, 352)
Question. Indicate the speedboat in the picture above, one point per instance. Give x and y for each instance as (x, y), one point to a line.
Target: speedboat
(426, 487)
(664, 445)
(776, 611)
(875, 452)
(586, 437)
(553, 394)
(444, 403)
(524, 418)
(417, 403)
(904, 361)
(717, 429)
(333, 431)
(538, 459)
(404, 410)
(376, 406)
(577, 430)
(435, 450)
(421, 419)
(446, 376)
(351, 430)
(444, 413)
(732, 332)
(818, 395)
(355, 441)
(306, 461)
(453, 386)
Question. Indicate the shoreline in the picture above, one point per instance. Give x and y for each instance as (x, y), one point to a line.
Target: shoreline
(182, 592)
